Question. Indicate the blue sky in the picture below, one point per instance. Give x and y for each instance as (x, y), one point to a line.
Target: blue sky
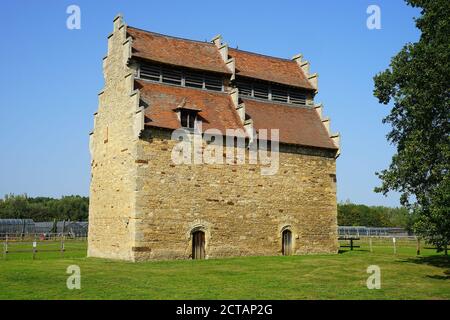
(51, 76)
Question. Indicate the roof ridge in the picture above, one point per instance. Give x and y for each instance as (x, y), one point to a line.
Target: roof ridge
(173, 37)
(262, 55)
(209, 43)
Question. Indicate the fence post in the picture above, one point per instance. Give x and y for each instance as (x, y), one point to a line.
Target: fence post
(395, 247)
(418, 246)
(5, 249)
(62, 245)
(370, 244)
(34, 247)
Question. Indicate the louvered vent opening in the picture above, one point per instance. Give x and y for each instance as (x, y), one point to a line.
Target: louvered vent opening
(245, 88)
(279, 94)
(180, 77)
(213, 83)
(267, 91)
(261, 91)
(297, 97)
(150, 72)
(171, 76)
(193, 80)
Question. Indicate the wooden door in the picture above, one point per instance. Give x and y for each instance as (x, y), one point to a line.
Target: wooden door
(287, 243)
(198, 245)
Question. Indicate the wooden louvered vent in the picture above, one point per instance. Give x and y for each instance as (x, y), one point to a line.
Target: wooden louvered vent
(181, 77)
(272, 92)
(150, 72)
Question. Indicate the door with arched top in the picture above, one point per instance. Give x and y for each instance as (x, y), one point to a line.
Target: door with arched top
(198, 245)
(286, 243)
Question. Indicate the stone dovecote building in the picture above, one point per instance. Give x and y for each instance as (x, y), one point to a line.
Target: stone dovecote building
(143, 206)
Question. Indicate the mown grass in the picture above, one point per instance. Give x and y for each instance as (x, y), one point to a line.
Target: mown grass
(341, 276)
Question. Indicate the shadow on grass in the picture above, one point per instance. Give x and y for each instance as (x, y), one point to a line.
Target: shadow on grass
(444, 277)
(435, 261)
(439, 261)
(341, 251)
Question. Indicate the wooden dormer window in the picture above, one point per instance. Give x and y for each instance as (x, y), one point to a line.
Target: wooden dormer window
(188, 114)
(188, 118)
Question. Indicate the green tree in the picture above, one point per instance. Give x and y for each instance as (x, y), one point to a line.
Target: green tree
(73, 208)
(418, 83)
(350, 214)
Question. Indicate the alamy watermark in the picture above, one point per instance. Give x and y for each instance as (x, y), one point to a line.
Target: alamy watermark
(374, 280)
(216, 147)
(73, 21)
(373, 22)
(74, 280)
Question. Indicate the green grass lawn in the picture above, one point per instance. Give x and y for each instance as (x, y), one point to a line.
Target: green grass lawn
(341, 276)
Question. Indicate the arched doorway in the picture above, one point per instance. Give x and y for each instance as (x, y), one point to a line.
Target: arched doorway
(198, 245)
(286, 242)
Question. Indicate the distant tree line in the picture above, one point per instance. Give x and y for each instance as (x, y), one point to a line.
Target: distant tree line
(350, 214)
(74, 208)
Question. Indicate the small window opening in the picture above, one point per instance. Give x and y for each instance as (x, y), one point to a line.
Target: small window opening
(188, 118)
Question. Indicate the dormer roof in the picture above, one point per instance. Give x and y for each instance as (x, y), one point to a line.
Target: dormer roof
(215, 108)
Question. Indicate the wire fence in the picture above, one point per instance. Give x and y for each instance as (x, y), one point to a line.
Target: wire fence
(376, 239)
(409, 245)
(30, 245)
(372, 231)
(26, 227)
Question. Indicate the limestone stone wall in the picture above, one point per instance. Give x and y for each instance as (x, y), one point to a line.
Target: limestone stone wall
(113, 149)
(241, 212)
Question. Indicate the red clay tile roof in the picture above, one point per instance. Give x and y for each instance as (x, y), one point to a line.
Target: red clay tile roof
(217, 110)
(176, 51)
(297, 125)
(267, 68)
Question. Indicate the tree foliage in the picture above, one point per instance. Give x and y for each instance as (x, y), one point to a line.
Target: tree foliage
(350, 214)
(418, 83)
(74, 208)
